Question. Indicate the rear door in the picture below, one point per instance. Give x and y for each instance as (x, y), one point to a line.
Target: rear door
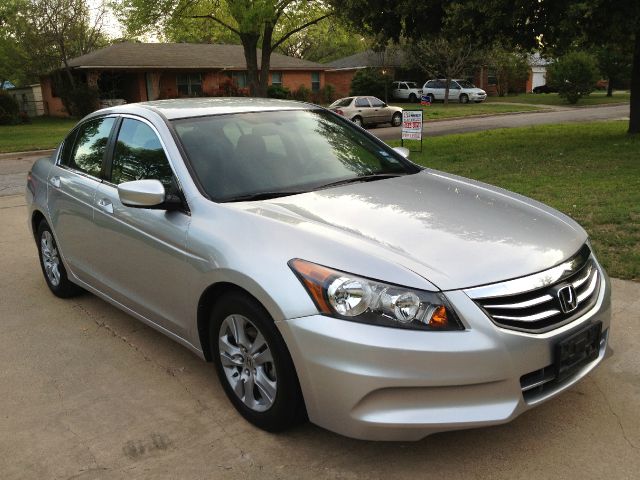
(380, 114)
(145, 265)
(72, 185)
(363, 109)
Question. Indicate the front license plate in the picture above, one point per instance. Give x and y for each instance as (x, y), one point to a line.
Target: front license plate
(577, 350)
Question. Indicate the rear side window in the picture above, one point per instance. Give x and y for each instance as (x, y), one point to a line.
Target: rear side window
(139, 155)
(87, 152)
(362, 102)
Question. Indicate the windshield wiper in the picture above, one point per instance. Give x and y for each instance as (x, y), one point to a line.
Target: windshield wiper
(362, 178)
(263, 195)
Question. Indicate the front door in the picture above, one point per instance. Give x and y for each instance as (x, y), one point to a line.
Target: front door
(144, 265)
(72, 185)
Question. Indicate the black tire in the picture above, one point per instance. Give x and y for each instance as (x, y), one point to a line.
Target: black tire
(396, 119)
(464, 98)
(358, 121)
(61, 287)
(287, 408)
(413, 98)
(432, 99)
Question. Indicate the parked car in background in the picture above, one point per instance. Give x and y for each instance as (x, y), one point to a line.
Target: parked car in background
(367, 111)
(544, 89)
(460, 90)
(409, 91)
(321, 272)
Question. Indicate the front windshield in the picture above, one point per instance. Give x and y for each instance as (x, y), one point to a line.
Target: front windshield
(412, 85)
(465, 84)
(244, 154)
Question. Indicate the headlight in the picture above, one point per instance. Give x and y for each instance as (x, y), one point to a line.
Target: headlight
(359, 299)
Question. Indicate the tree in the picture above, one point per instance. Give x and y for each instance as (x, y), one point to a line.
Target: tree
(445, 58)
(614, 61)
(574, 75)
(511, 68)
(554, 26)
(254, 22)
(324, 42)
(43, 35)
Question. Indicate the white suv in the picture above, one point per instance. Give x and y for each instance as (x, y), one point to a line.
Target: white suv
(406, 91)
(460, 90)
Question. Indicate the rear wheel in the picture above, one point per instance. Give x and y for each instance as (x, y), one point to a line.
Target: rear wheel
(253, 364)
(396, 120)
(52, 267)
(357, 120)
(464, 98)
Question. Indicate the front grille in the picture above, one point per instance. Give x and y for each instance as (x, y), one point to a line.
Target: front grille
(539, 309)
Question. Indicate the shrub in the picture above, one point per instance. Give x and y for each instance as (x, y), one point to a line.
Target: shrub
(81, 100)
(302, 94)
(574, 75)
(9, 110)
(370, 81)
(328, 93)
(278, 91)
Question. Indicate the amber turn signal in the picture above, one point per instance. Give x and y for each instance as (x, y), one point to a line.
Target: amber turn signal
(439, 318)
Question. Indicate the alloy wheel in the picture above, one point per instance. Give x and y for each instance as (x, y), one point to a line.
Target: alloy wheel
(247, 362)
(50, 258)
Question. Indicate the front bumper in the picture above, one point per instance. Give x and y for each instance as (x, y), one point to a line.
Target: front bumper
(379, 383)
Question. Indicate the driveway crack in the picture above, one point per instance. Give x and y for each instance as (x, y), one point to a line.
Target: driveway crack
(613, 412)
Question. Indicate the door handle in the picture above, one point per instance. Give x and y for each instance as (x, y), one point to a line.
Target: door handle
(55, 181)
(105, 205)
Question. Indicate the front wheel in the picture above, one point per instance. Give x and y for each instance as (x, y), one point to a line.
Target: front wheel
(431, 98)
(52, 267)
(357, 120)
(396, 120)
(413, 98)
(464, 98)
(253, 364)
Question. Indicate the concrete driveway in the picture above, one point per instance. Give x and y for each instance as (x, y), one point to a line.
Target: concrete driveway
(490, 122)
(90, 393)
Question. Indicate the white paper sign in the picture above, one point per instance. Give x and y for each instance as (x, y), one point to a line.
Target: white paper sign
(412, 125)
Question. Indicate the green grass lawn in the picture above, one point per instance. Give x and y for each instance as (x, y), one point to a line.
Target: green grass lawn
(596, 98)
(588, 171)
(456, 110)
(43, 133)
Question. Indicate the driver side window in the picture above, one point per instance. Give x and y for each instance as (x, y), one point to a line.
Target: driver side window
(139, 155)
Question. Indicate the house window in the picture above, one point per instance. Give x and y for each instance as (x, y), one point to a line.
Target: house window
(493, 77)
(276, 78)
(189, 84)
(315, 81)
(240, 79)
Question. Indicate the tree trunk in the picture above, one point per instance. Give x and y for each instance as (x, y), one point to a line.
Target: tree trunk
(265, 60)
(250, 46)
(610, 87)
(634, 118)
(446, 91)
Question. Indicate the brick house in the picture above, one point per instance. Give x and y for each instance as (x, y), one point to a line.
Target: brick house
(136, 72)
(340, 72)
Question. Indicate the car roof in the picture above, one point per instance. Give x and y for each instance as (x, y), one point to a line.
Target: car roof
(198, 107)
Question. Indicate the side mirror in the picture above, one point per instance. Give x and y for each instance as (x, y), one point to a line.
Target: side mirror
(142, 193)
(402, 151)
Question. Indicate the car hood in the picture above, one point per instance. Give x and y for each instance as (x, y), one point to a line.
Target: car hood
(455, 232)
(474, 90)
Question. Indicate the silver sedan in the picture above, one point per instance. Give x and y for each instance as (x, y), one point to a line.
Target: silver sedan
(323, 274)
(364, 111)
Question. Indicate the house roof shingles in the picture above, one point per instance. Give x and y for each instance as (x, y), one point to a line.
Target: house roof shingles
(129, 55)
(369, 58)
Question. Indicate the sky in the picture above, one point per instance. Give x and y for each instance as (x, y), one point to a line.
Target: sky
(112, 26)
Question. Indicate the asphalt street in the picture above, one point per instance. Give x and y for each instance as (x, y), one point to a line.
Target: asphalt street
(90, 393)
(490, 122)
